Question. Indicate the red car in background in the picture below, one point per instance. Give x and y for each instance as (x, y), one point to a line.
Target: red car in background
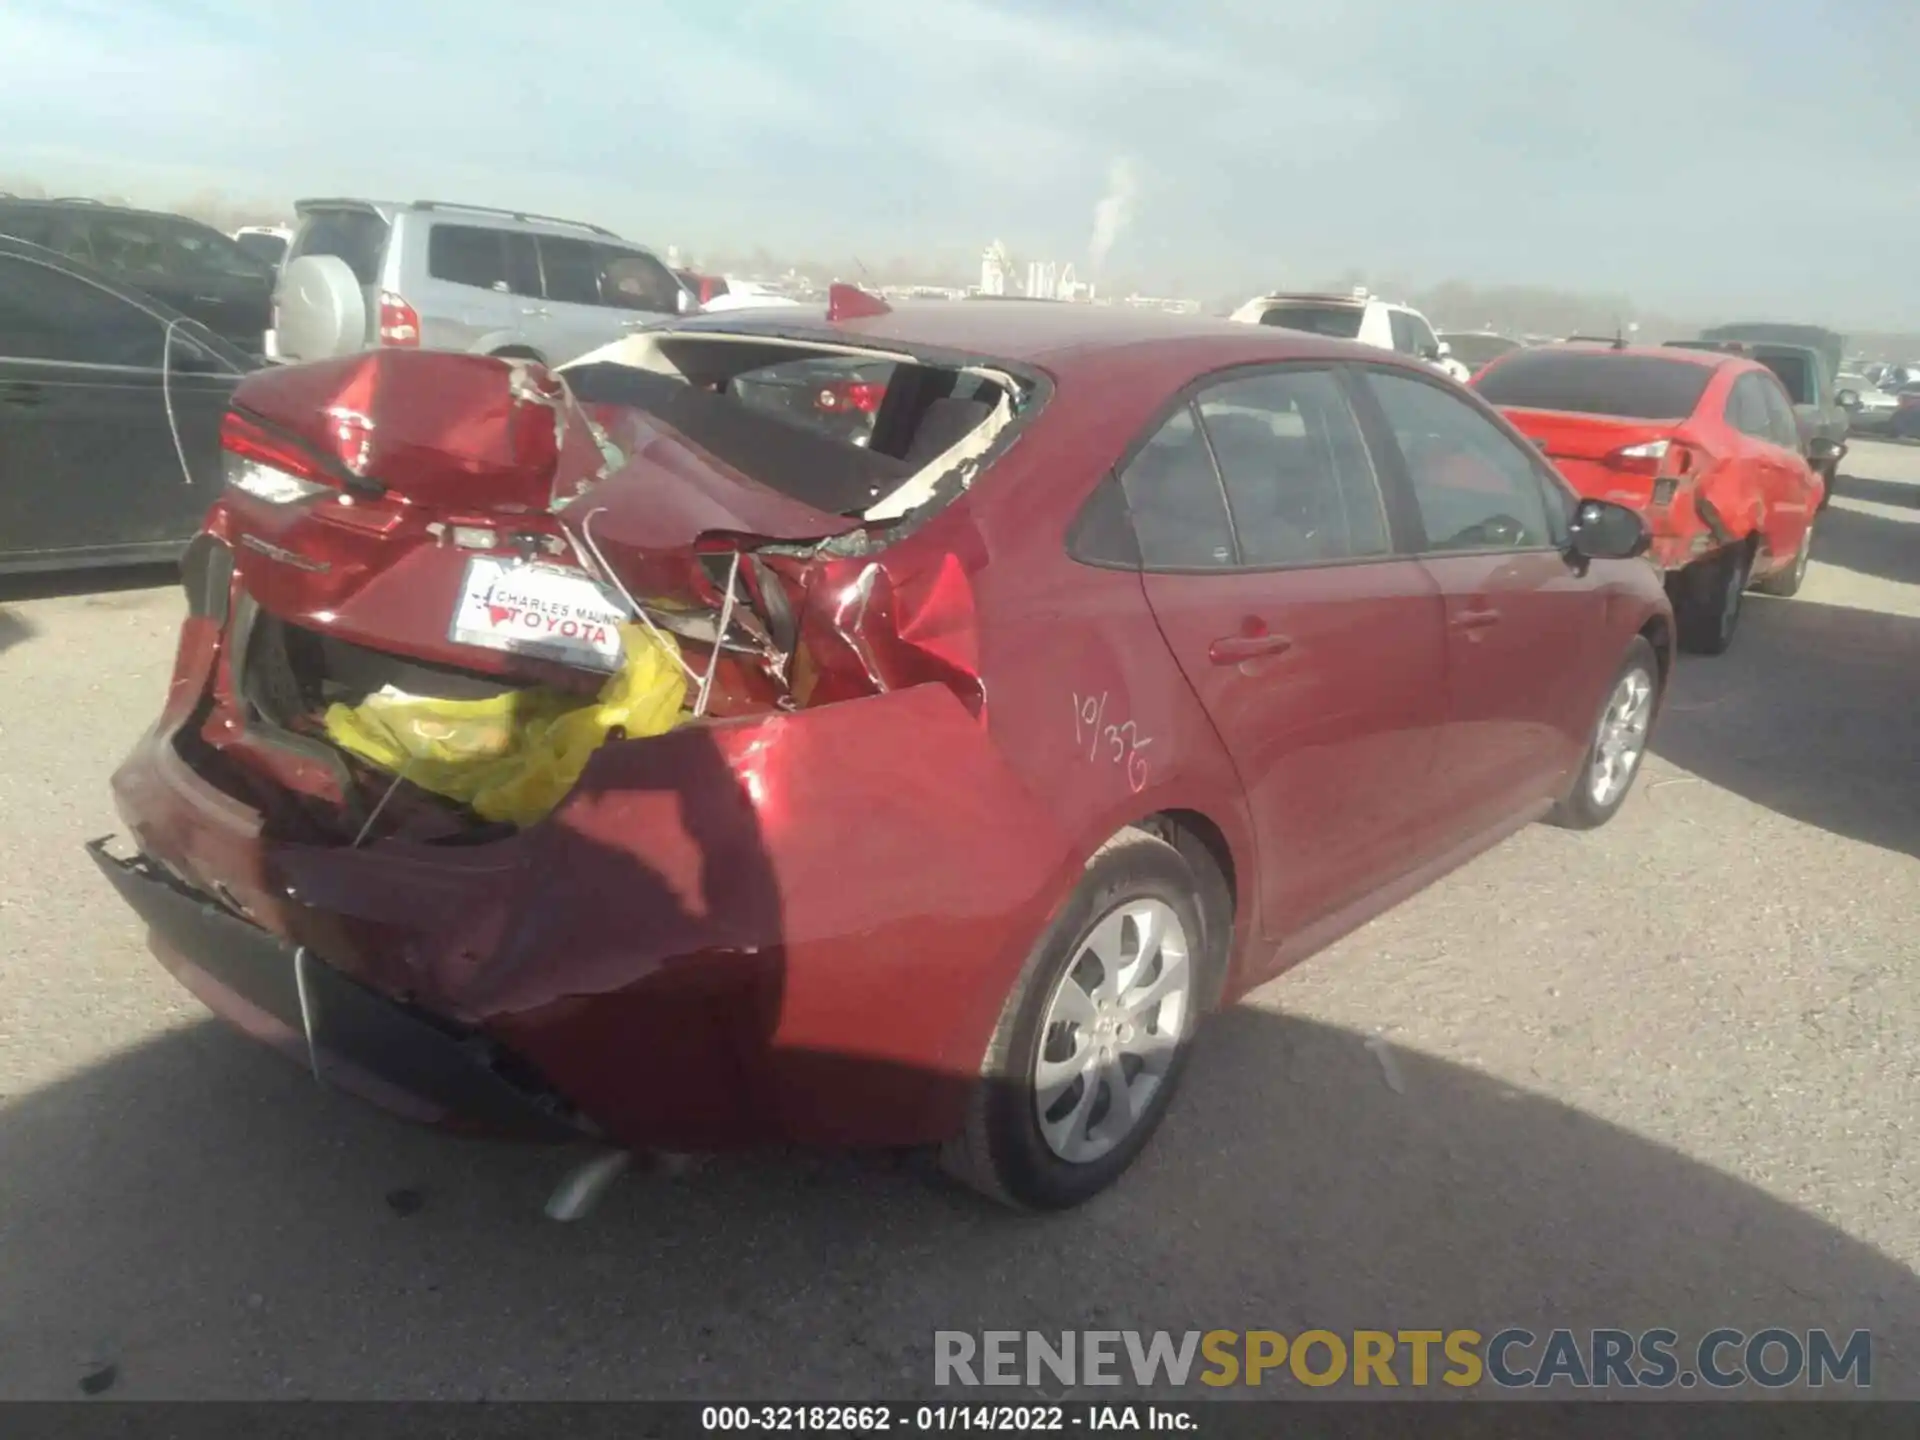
(1703, 443)
(1131, 660)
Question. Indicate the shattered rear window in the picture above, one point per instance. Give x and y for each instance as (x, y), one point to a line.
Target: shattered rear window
(842, 433)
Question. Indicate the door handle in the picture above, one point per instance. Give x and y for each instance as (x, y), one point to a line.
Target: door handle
(21, 394)
(1232, 649)
(538, 310)
(1475, 619)
(206, 299)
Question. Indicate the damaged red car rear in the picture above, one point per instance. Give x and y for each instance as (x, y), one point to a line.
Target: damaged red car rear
(612, 754)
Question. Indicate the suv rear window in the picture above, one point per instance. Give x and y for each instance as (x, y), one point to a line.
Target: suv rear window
(1341, 322)
(359, 237)
(1589, 382)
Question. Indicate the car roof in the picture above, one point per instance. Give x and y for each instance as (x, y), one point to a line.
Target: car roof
(93, 207)
(1053, 337)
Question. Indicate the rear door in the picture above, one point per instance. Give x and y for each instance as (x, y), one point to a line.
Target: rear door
(483, 291)
(1521, 621)
(87, 456)
(1317, 651)
(599, 292)
(1761, 471)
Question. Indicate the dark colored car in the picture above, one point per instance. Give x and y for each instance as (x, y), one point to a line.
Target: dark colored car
(840, 396)
(1823, 421)
(1477, 349)
(182, 263)
(110, 410)
(1324, 626)
(1703, 442)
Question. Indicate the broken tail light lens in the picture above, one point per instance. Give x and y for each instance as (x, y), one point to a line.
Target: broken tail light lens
(399, 321)
(266, 466)
(863, 396)
(1670, 460)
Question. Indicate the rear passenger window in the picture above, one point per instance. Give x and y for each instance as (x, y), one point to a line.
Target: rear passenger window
(1173, 494)
(1299, 481)
(1782, 428)
(1476, 488)
(1747, 408)
(499, 260)
(635, 281)
(572, 270)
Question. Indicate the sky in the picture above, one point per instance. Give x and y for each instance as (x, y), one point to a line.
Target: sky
(1706, 157)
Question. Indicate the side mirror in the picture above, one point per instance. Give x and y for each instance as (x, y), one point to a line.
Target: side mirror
(1602, 530)
(1821, 449)
(1432, 352)
(1848, 399)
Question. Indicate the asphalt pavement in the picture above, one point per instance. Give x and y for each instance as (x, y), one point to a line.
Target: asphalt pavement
(1658, 1075)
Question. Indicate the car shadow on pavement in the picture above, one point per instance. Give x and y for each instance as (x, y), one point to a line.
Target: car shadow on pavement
(1870, 544)
(1810, 713)
(196, 1213)
(1902, 493)
(53, 584)
(14, 630)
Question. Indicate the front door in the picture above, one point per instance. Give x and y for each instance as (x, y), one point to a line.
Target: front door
(1317, 651)
(1520, 617)
(87, 454)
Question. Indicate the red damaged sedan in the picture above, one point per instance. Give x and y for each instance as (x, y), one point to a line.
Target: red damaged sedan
(1129, 661)
(1703, 443)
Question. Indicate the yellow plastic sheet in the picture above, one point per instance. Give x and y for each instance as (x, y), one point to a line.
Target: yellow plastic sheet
(513, 757)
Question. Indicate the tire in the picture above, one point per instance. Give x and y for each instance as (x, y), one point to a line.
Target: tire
(1788, 582)
(1707, 599)
(1584, 807)
(1831, 477)
(1004, 1152)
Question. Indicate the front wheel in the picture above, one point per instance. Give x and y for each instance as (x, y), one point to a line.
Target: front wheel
(1619, 741)
(1092, 1040)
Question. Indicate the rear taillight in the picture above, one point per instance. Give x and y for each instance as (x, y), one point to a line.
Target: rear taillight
(861, 395)
(268, 466)
(399, 321)
(1669, 460)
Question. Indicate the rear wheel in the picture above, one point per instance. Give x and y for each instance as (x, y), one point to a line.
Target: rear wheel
(1619, 741)
(1093, 1038)
(1788, 581)
(1831, 478)
(1708, 599)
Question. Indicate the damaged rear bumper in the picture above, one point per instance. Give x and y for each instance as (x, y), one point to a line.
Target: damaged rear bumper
(360, 1041)
(794, 928)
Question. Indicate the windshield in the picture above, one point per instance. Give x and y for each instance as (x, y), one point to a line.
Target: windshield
(1341, 322)
(1586, 382)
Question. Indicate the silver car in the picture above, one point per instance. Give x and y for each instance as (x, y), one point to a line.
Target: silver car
(366, 273)
(1870, 408)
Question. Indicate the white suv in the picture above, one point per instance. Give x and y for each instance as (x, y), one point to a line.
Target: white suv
(1355, 316)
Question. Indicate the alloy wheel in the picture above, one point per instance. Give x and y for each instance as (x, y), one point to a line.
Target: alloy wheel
(1622, 737)
(1112, 1028)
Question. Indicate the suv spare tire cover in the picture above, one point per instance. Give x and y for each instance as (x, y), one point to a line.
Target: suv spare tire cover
(320, 310)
